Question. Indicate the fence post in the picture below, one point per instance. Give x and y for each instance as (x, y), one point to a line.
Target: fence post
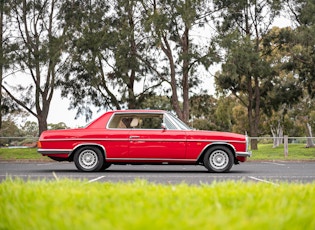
(286, 147)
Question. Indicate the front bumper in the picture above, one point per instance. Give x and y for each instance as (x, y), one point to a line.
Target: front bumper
(243, 154)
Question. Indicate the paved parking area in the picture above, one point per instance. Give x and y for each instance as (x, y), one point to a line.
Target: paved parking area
(265, 172)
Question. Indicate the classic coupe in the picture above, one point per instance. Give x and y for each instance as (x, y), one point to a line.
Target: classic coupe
(143, 137)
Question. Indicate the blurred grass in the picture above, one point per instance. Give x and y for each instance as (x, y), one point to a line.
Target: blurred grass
(69, 204)
(295, 152)
(21, 154)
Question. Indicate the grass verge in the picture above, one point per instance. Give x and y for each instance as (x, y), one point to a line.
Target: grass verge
(68, 204)
(295, 152)
(21, 154)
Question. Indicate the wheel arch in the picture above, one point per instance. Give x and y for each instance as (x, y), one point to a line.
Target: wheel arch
(216, 144)
(79, 146)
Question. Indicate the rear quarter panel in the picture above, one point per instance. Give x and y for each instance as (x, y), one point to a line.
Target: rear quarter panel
(115, 142)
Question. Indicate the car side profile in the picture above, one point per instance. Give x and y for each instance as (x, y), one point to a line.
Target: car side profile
(143, 137)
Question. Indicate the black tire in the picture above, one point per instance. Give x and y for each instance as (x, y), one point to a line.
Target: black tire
(105, 166)
(218, 159)
(89, 159)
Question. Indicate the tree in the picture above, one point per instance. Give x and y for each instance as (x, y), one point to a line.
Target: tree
(2, 12)
(246, 73)
(9, 130)
(109, 56)
(6, 49)
(286, 90)
(157, 102)
(170, 23)
(203, 112)
(30, 129)
(40, 43)
(60, 125)
(239, 115)
(300, 42)
(224, 114)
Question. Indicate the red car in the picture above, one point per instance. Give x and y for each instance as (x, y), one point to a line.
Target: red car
(143, 137)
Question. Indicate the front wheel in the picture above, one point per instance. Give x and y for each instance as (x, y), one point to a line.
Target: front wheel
(218, 159)
(89, 159)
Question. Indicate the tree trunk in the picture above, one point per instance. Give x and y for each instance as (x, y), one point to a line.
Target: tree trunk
(42, 124)
(253, 119)
(277, 134)
(185, 79)
(309, 141)
(175, 101)
(132, 104)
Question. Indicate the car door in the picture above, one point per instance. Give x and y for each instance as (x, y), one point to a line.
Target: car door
(148, 141)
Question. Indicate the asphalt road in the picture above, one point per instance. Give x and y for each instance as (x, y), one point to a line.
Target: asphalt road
(264, 172)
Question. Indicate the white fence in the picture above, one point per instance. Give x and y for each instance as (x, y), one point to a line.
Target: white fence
(267, 139)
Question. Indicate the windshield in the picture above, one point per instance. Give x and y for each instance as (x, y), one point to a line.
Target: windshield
(181, 125)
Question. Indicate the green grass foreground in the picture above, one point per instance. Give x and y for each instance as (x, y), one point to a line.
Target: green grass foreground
(69, 204)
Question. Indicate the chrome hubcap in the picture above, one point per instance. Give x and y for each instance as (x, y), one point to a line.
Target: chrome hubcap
(88, 159)
(219, 159)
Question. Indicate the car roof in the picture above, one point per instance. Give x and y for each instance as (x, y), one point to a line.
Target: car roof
(138, 111)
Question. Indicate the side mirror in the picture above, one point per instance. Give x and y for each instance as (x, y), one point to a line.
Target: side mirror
(163, 126)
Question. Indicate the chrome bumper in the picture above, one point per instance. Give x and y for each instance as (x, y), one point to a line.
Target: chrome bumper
(243, 154)
(54, 151)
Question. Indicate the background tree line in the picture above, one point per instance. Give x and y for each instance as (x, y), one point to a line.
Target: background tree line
(144, 54)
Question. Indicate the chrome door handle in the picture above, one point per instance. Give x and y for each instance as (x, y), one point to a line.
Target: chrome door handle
(134, 137)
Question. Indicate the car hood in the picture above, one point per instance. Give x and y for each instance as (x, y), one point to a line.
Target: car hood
(215, 135)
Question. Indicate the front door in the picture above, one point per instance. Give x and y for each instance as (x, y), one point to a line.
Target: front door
(158, 144)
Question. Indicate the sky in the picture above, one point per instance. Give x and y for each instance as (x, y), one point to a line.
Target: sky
(59, 112)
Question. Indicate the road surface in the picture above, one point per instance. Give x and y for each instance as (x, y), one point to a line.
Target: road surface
(265, 172)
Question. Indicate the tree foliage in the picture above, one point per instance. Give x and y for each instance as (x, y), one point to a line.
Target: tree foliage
(109, 55)
(170, 23)
(38, 57)
(6, 56)
(300, 42)
(248, 72)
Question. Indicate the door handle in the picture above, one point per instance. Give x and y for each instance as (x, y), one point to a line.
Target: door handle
(134, 137)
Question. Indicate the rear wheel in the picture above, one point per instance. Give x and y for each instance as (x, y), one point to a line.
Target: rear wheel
(218, 159)
(89, 159)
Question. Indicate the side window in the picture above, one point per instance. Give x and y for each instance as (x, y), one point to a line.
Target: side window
(151, 122)
(121, 122)
(136, 121)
